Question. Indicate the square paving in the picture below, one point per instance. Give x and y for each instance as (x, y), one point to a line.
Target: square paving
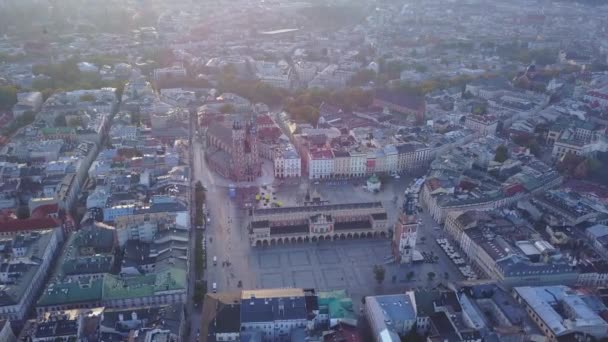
(334, 278)
(299, 258)
(272, 280)
(328, 256)
(305, 279)
(270, 260)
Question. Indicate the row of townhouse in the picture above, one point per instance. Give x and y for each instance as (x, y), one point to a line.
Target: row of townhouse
(322, 163)
(440, 200)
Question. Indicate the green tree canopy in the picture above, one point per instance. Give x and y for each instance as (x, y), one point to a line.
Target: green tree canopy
(227, 108)
(8, 96)
(502, 154)
(379, 273)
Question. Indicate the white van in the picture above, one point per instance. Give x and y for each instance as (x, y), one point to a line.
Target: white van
(214, 287)
(214, 261)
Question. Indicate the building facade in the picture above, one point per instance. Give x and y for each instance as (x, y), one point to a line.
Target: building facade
(287, 163)
(234, 151)
(317, 222)
(404, 238)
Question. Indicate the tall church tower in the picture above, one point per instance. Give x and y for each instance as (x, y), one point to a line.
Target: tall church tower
(238, 150)
(252, 157)
(404, 239)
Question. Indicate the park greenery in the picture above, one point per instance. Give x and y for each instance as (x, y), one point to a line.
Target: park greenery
(65, 76)
(333, 16)
(8, 96)
(304, 105)
(22, 121)
(253, 90)
(585, 168)
(379, 273)
(199, 253)
(502, 154)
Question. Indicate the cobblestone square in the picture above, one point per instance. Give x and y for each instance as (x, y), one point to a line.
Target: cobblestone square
(272, 280)
(328, 256)
(299, 258)
(270, 260)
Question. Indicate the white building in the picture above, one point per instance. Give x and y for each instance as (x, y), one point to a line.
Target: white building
(273, 312)
(287, 163)
(6, 332)
(320, 164)
(26, 270)
(112, 213)
(98, 198)
(574, 315)
(484, 124)
(390, 316)
(31, 101)
(306, 71)
(176, 71)
(273, 74)
(124, 132)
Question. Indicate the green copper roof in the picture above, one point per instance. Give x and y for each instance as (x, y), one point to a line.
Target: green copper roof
(337, 304)
(57, 130)
(74, 292)
(115, 287)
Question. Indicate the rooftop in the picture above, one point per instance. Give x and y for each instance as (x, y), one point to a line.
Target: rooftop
(546, 302)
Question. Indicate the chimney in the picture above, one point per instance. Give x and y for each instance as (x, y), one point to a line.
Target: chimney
(134, 316)
(121, 317)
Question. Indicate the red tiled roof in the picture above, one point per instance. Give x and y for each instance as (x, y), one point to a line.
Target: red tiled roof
(28, 224)
(598, 94)
(513, 189)
(343, 333)
(269, 134)
(321, 154)
(434, 184)
(45, 210)
(261, 120)
(7, 215)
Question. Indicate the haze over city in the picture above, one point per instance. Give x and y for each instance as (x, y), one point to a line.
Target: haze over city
(320, 171)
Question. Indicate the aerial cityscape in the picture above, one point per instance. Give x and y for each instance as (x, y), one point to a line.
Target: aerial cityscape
(304, 171)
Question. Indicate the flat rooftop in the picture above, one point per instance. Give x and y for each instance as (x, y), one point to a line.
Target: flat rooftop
(273, 293)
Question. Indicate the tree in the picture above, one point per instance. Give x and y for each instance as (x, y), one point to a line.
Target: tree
(304, 113)
(430, 276)
(60, 121)
(421, 68)
(480, 109)
(87, 98)
(8, 96)
(23, 212)
(392, 69)
(569, 163)
(581, 171)
(24, 120)
(502, 154)
(136, 118)
(379, 273)
(199, 191)
(227, 108)
(362, 77)
(74, 122)
(412, 336)
(120, 88)
(410, 275)
(446, 275)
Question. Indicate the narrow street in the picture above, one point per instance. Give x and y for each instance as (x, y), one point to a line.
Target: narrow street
(192, 312)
